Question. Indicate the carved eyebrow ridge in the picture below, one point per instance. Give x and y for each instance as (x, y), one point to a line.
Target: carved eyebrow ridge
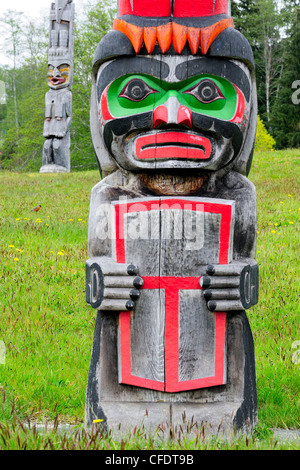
(126, 66)
(218, 67)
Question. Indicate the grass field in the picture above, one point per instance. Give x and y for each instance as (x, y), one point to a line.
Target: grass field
(46, 328)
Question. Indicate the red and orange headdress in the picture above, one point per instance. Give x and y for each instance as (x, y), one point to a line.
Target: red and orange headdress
(175, 23)
(174, 26)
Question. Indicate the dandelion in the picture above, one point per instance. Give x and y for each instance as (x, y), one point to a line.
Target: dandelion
(281, 202)
(257, 231)
(18, 249)
(16, 259)
(11, 246)
(292, 223)
(60, 253)
(51, 251)
(18, 219)
(270, 223)
(81, 219)
(289, 195)
(276, 225)
(71, 220)
(97, 420)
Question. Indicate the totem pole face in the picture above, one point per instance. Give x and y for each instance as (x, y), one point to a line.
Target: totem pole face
(180, 112)
(58, 75)
(173, 95)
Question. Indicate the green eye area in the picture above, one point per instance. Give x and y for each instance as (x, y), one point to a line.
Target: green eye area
(206, 91)
(204, 94)
(136, 90)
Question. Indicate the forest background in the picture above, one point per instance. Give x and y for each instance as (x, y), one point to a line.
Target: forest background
(271, 27)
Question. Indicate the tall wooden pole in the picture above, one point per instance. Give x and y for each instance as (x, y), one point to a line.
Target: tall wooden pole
(172, 227)
(58, 100)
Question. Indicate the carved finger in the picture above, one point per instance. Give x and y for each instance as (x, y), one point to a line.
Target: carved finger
(121, 293)
(117, 305)
(123, 281)
(225, 269)
(219, 282)
(110, 268)
(221, 294)
(224, 305)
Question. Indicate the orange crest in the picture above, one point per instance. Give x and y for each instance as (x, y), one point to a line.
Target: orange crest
(172, 33)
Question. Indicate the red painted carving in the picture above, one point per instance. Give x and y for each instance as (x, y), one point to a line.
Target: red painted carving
(181, 8)
(165, 146)
(172, 286)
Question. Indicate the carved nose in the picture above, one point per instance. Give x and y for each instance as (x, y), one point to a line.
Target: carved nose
(184, 116)
(56, 72)
(172, 113)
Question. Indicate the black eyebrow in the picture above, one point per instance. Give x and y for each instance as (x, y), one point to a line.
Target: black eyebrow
(137, 65)
(219, 67)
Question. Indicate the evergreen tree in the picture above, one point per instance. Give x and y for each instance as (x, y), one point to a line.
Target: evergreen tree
(21, 139)
(260, 22)
(285, 121)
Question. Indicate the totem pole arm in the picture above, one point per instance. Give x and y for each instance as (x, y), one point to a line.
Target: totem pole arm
(232, 286)
(111, 286)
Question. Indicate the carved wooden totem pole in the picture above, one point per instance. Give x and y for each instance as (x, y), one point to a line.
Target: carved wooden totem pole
(172, 226)
(58, 100)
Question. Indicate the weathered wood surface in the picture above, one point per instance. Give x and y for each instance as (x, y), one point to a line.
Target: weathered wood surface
(173, 120)
(58, 100)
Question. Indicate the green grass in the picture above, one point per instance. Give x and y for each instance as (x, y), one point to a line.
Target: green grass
(48, 329)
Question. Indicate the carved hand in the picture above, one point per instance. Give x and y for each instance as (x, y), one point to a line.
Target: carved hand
(110, 285)
(231, 287)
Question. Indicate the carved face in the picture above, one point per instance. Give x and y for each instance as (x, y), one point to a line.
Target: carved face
(173, 112)
(58, 76)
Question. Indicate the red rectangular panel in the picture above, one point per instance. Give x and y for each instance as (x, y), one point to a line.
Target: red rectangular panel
(144, 8)
(171, 286)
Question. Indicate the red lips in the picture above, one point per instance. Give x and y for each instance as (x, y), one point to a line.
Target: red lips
(172, 145)
(56, 81)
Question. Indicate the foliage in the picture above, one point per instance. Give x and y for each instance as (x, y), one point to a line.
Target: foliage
(285, 121)
(21, 128)
(264, 141)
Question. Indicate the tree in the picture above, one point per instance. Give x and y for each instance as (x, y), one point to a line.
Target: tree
(261, 21)
(88, 33)
(26, 84)
(285, 121)
(12, 23)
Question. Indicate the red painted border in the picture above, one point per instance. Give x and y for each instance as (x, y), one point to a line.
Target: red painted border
(172, 286)
(240, 107)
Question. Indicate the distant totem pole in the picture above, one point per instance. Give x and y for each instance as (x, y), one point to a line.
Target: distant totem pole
(58, 100)
(172, 226)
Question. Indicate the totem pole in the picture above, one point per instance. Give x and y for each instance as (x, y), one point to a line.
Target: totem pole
(172, 226)
(58, 100)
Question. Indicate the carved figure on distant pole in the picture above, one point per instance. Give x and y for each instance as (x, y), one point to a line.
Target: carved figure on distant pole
(172, 227)
(58, 100)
